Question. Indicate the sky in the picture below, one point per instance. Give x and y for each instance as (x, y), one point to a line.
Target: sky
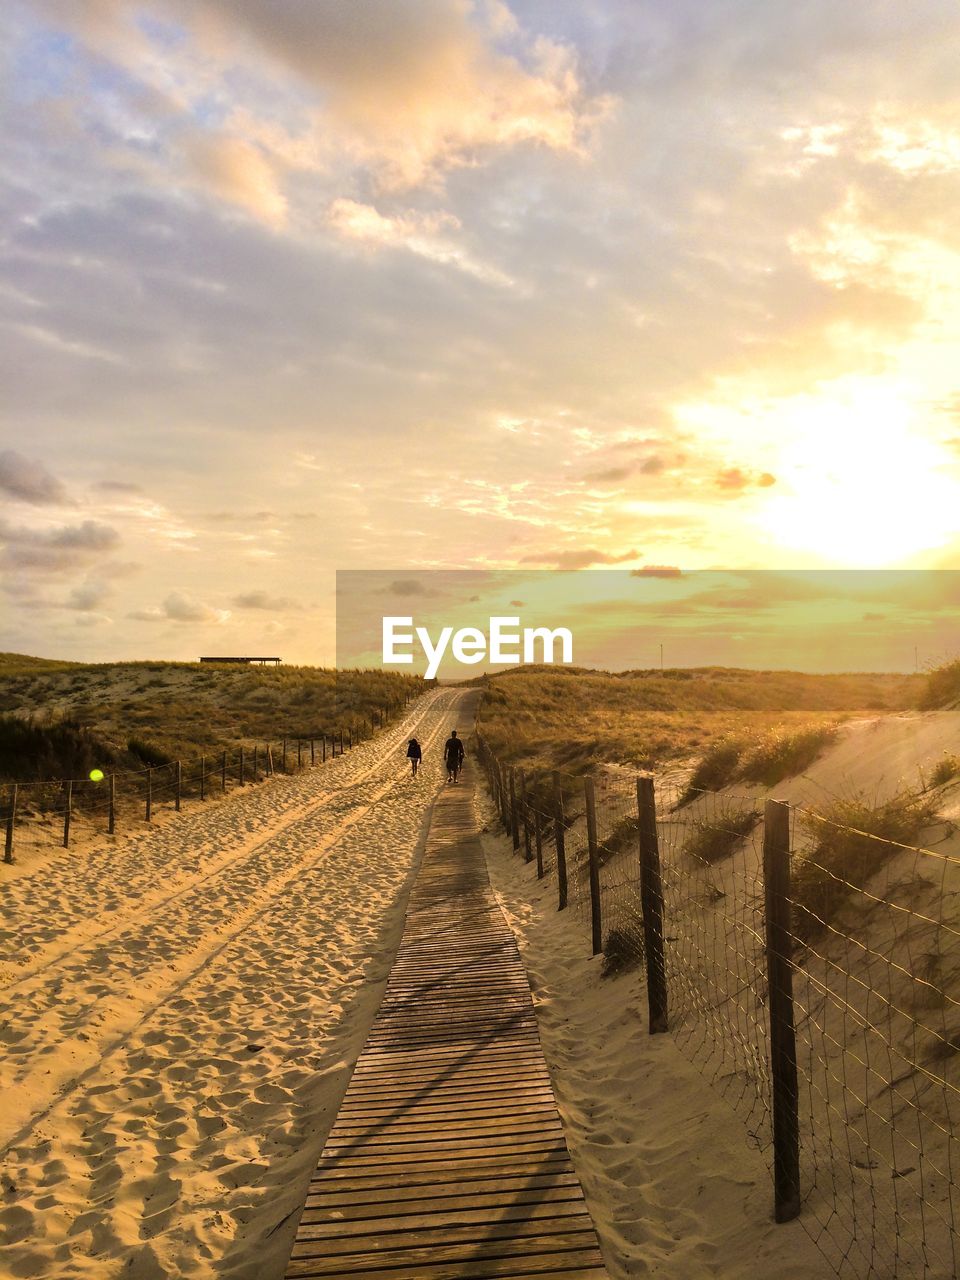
(296, 287)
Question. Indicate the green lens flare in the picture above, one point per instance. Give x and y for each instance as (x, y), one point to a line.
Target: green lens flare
(96, 775)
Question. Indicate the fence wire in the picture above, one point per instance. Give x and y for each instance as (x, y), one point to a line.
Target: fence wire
(714, 947)
(878, 1039)
(874, 941)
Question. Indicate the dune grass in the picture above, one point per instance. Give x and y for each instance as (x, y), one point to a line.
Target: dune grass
(716, 768)
(942, 686)
(711, 840)
(54, 716)
(945, 770)
(852, 841)
(576, 720)
(622, 951)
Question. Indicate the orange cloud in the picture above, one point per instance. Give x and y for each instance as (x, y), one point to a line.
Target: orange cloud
(238, 172)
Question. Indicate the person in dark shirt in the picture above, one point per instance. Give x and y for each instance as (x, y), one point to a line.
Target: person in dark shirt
(453, 756)
(414, 755)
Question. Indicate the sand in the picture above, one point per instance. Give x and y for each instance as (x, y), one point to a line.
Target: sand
(182, 1010)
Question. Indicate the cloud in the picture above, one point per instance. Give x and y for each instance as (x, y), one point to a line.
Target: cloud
(610, 475)
(116, 486)
(261, 600)
(238, 172)
(413, 89)
(405, 92)
(178, 607)
(579, 559)
(407, 587)
(424, 234)
(735, 479)
(656, 571)
(88, 596)
(54, 550)
(29, 481)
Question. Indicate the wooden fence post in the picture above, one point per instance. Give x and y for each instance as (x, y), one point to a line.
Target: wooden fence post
(323, 749)
(593, 853)
(203, 777)
(651, 905)
(270, 759)
(149, 812)
(783, 1046)
(178, 786)
(256, 762)
(538, 832)
(514, 816)
(112, 806)
(559, 836)
(313, 753)
(350, 737)
(67, 814)
(341, 742)
(11, 823)
(525, 815)
(223, 774)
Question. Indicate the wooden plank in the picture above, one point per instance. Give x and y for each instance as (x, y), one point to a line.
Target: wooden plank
(431, 1186)
(416, 1115)
(584, 1264)
(447, 1159)
(454, 1172)
(504, 1103)
(448, 1126)
(323, 1226)
(334, 1254)
(373, 1238)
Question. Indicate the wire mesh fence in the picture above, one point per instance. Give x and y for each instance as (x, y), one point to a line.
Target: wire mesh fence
(809, 967)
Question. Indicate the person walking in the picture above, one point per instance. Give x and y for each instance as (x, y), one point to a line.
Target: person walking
(453, 756)
(414, 755)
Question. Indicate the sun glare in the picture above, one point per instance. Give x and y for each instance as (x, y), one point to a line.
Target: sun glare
(859, 484)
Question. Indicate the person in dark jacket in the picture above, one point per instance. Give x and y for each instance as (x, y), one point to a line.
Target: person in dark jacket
(414, 755)
(453, 756)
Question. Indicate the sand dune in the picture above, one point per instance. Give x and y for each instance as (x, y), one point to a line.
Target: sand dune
(182, 1010)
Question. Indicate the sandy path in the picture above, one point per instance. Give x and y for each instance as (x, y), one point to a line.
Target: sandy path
(179, 1029)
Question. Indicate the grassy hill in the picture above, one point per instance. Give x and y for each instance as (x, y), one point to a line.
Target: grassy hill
(574, 719)
(57, 719)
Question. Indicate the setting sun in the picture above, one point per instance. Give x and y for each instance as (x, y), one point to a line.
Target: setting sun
(859, 484)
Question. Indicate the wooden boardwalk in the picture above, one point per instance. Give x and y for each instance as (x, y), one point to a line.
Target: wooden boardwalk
(447, 1158)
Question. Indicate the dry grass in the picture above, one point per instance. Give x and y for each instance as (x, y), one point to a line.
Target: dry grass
(782, 754)
(575, 720)
(714, 839)
(942, 686)
(944, 771)
(716, 768)
(853, 840)
(129, 714)
(622, 951)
